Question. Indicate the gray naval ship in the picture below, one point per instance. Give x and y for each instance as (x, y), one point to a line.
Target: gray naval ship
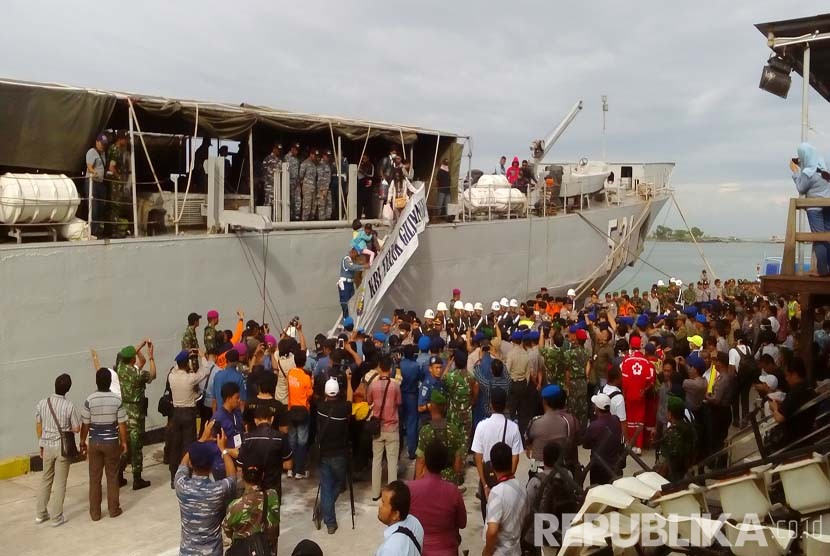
(197, 239)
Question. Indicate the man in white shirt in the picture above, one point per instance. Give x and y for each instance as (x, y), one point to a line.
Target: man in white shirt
(506, 507)
(404, 535)
(489, 432)
(612, 390)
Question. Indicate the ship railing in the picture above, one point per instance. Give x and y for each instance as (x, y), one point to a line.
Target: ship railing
(793, 237)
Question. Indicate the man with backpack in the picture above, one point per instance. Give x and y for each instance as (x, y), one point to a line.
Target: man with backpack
(550, 492)
(743, 365)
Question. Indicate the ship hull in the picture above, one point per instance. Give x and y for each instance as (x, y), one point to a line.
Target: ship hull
(67, 297)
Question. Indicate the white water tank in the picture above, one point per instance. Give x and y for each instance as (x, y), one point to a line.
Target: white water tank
(37, 198)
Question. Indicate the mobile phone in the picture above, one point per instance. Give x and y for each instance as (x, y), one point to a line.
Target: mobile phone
(341, 343)
(795, 161)
(216, 428)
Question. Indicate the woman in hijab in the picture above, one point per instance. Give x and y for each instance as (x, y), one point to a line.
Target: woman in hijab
(813, 180)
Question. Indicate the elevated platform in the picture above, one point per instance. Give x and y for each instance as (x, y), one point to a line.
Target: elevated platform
(796, 285)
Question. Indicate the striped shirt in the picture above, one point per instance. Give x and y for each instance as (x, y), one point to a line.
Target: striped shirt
(67, 417)
(103, 411)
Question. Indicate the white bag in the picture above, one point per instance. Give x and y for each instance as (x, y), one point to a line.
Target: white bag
(387, 215)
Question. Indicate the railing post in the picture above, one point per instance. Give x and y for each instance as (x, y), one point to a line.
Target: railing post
(89, 203)
(788, 259)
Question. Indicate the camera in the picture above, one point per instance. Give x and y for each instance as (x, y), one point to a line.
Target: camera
(295, 321)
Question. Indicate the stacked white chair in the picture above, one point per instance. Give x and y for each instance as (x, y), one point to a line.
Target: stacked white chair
(746, 539)
(688, 502)
(806, 484)
(815, 545)
(745, 495)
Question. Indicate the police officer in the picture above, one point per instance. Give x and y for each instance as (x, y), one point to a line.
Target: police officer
(293, 161)
(308, 184)
(324, 187)
(271, 166)
(189, 339)
(431, 381)
(134, 379)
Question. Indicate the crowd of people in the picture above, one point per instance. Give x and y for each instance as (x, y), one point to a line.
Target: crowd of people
(247, 409)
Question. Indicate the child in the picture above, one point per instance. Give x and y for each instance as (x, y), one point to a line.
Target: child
(361, 241)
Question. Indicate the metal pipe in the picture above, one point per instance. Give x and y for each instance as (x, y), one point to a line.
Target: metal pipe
(341, 207)
(320, 225)
(132, 175)
(89, 203)
(251, 169)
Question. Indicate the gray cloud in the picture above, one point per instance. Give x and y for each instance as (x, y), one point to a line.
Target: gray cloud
(681, 78)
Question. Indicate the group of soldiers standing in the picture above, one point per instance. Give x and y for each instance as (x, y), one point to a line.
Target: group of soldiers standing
(313, 181)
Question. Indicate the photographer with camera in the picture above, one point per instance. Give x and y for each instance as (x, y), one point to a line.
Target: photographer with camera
(134, 379)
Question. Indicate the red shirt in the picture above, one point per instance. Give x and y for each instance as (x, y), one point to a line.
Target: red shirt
(374, 395)
(439, 507)
(637, 376)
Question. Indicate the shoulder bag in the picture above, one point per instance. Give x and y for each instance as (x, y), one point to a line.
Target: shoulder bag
(165, 405)
(373, 424)
(69, 449)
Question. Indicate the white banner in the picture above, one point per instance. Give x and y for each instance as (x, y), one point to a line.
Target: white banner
(400, 244)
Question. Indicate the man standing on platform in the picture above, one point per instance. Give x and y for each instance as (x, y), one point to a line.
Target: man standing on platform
(271, 166)
(134, 379)
(324, 187)
(308, 180)
(638, 377)
(293, 161)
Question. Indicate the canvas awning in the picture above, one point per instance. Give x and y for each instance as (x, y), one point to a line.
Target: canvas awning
(48, 127)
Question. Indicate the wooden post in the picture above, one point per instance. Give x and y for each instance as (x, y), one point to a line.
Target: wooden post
(788, 260)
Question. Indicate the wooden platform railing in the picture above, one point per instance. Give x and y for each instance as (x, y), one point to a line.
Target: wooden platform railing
(792, 237)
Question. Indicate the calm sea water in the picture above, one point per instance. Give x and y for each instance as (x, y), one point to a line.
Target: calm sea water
(682, 261)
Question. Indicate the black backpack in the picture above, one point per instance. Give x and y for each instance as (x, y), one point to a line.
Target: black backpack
(748, 372)
(557, 496)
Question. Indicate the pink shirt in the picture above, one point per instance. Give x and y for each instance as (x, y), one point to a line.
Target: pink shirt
(374, 397)
(439, 507)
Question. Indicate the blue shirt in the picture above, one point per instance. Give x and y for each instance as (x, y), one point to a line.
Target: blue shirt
(411, 375)
(423, 362)
(429, 384)
(348, 268)
(202, 504)
(231, 424)
(230, 374)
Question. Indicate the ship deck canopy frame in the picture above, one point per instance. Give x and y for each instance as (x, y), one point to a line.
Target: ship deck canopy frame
(49, 128)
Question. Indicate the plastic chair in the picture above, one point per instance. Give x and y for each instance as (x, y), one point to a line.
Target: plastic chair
(815, 545)
(806, 484)
(684, 532)
(600, 498)
(633, 486)
(583, 539)
(745, 495)
(652, 479)
(688, 502)
(746, 539)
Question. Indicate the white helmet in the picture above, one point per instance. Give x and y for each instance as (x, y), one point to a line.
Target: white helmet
(672, 280)
(503, 302)
(660, 283)
(496, 306)
(571, 292)
(442, 306)
(514, 303)
(468, 307)
(679, 282)
(458, 305)
(478, 306)
(429, 314)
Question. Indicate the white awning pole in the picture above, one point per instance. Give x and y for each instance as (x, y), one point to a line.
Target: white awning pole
(143, 144)
(132, 175)
(434, 162)
(251, 171)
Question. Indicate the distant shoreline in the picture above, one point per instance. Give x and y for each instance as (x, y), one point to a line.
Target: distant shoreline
(714, 240)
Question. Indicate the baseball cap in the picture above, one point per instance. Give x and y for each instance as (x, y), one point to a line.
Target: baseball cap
(380, 337)
(602, 401)
(651, 349)
(456, 291)
(241, 349)
(769, 380)
(348, 322)
(387, 321)
(698, 363)
(201, 454)
(635, 342)
(696, 341)
(332, 387)
(551, 390)
(193, 316)
(701, 318)
(435, 360)
(102, 137)
(423, 343)
(213, 314)
(270, 340)
(581, 334)
(182, 356)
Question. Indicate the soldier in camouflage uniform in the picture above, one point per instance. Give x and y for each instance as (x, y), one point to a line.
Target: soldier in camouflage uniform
(448, 433)
(118, 172)
(554, 358)
(308, 183)
(134, 379)
(210, 329)
(271, 167)
(293, 161)
(576, 364)
(324, 187)
(244, 516)
(458, 390)
(189, 339)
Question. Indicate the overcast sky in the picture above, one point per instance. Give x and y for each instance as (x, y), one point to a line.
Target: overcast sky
(682, 78)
